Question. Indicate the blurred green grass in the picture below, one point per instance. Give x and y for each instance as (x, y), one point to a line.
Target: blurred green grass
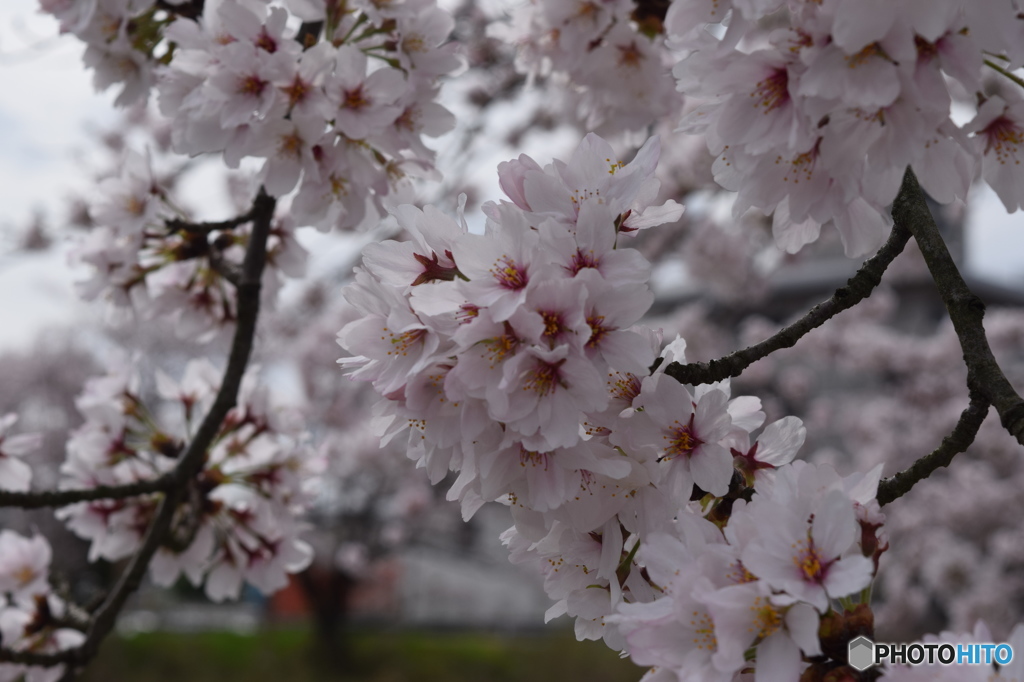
(290, 655)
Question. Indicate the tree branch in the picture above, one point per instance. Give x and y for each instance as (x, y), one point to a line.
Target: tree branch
(959, 439)
(191, 462)
(191, 10)
(856, 290)
(62, 498)
(179, 225)
(984, 376)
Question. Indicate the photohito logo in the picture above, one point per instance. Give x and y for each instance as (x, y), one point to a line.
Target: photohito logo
(863, 653)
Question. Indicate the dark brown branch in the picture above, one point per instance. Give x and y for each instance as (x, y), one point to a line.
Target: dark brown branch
(190, 10)
(984, 376)
(62, 498)
(191, 462)
(959, 439)
(179, 225)
(241, 347)
(856, 290)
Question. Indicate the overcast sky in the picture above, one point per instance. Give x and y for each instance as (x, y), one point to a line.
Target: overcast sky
(46, 104)
(47, 107)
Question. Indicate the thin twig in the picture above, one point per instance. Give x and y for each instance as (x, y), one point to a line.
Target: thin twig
(191, 10)
(190, 463)
(179, 225)
(62, 498)
(1012, 76)
(984, 376)
(959, 439)
(856, 290)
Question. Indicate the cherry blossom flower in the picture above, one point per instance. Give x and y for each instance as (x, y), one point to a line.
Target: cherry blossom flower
(24, 565)
(543, 395)
(363, 101)
(676, 631)
(427, 258)
(241, 524)
(14, 473)
(599, 51)
(777, 445)
(36, 627)
(807, 557)
(499, 267)
(745, 615)
(393, 341)
(684, 433)
(999, 130)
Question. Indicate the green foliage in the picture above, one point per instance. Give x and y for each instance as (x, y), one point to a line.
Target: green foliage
(286, 655)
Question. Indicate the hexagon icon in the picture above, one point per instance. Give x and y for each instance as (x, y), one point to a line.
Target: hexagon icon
(861, 654)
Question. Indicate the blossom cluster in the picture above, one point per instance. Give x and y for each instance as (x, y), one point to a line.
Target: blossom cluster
(813, 110)
(611, 56)
(144, 255)
(818, 120)
(238, 520)
(338, 110)
(662, 516)
(122, 37)
(952, 556)
(32, 617)
(345, 115)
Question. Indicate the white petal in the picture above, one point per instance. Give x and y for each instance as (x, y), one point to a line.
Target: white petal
(802, 621)
(778, 658)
